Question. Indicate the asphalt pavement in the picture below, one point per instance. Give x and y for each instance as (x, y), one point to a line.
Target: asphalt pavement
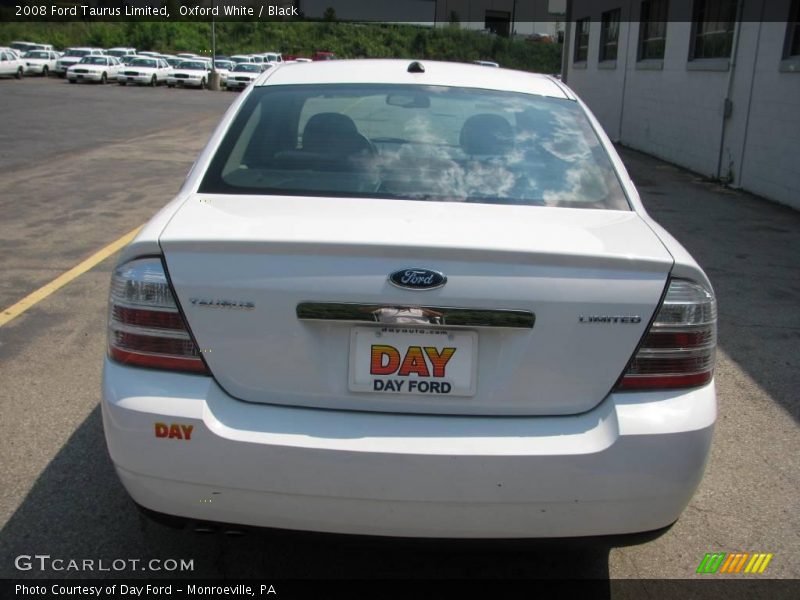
(82, 165)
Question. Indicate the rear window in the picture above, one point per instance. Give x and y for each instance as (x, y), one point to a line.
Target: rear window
(414, 143)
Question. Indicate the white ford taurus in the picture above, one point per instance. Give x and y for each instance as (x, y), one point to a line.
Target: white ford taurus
(42, 62)
(100, 69)
(410, 299)
(190, 73)
(144, 70)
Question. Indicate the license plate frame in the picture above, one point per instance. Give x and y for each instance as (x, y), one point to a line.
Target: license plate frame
(448, 374)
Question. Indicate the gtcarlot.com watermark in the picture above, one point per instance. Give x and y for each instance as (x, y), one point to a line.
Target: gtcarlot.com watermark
(45, 562)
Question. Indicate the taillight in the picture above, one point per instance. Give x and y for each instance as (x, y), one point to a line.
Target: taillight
(678, 349)
(145, 327)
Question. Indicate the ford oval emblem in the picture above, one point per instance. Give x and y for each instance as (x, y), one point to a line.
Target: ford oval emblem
(417, 279)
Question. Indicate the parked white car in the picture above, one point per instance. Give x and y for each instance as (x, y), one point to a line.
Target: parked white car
(23, 47)
(73, 56)
(40, 62)
(273, 57)
(99, 69)
(410, 299)
(190, 73)
(243, 75)
(243, 58)
(15, 53)
(224, 67)
(173, 61)
(120, 52)
(144, 70)
(11, 65)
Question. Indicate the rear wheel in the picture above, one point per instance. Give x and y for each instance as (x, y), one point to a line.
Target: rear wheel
(45, 72)
(121, 82)
(72, 80)
(153, 81)
(19, 73)
(203, 83)
(103, 79)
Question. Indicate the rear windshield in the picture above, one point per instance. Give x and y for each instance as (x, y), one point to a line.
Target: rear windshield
(414, 143)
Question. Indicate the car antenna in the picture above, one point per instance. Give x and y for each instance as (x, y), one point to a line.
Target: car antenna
(416, 67)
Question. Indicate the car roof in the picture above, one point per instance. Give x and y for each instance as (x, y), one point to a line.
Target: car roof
(396, 71)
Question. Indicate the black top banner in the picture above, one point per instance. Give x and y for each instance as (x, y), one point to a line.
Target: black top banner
(423, 12)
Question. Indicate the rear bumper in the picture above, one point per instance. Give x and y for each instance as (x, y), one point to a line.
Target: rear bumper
(631, 464)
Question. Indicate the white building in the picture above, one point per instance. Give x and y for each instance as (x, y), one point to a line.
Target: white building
(710, 85)
(503, 17)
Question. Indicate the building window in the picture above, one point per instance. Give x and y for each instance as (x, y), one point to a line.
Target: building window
(581, 40)
(609, 35)
(714, 21)
(653, 29)
(498, 22)
(793, 32)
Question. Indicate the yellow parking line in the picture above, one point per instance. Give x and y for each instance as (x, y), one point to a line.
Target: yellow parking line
(43, 292)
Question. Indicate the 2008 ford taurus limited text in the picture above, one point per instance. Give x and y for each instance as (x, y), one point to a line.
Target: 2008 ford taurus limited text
(410, 299)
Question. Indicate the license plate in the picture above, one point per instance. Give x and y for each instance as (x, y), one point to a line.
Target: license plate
(397, 359)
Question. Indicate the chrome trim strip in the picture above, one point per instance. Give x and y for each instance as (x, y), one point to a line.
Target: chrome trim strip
(354, 312)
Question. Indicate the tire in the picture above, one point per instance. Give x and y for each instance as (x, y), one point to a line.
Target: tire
(19, 73)
(203, 84)
(122, 83)
(103, 79)
(45, 72)
(72, 80)
(153, 81)
(170, 85)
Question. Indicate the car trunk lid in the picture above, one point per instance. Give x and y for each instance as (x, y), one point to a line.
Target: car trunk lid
(250, 271)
